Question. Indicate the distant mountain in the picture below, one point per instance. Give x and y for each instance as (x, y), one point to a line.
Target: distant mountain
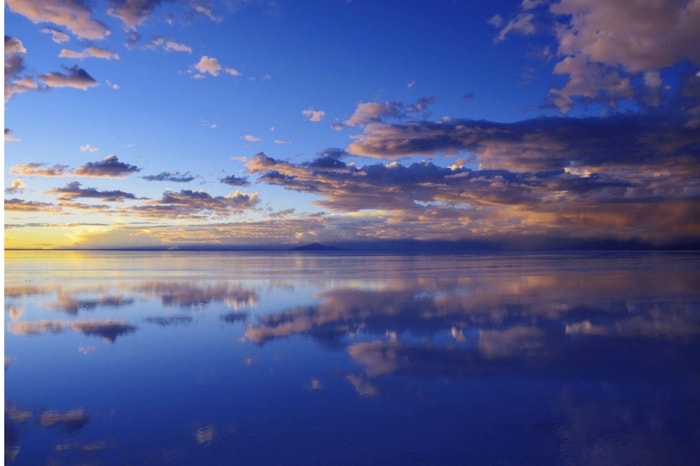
(315, 247)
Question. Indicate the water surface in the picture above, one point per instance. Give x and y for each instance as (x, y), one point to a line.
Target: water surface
(281, 358)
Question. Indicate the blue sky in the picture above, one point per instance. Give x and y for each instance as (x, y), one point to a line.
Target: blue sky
(191, 122)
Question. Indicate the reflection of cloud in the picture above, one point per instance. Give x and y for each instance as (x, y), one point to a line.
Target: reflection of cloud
(518, 340)
(205, 435)
(71, 421)
(233, 317)
(72, 305)
(169, 321)
(109, 330)
(363, 386)
(190, 294)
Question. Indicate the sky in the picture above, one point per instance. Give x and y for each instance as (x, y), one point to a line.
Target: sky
(186, 123)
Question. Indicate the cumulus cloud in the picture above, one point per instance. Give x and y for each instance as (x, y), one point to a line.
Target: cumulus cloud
(372, 112)
(74, 191)
(233, 180)
(16, 82)
(110, 167)
(74, 15)
(88, 148)
(197, 204)
(74, 77)
(132, 13)
(16, 187)
(89, 52)
(208, 65)
(175, 177)
(557, 174)
(313, 115)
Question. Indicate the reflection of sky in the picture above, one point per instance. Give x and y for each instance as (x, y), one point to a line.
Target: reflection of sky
(210, 357)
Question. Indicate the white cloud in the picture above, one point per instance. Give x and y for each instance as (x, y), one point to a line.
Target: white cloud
(251, 138)
(177, 47)
(208, 65)
(57, 36)
(89, 52)
(88, 148)
(71, 14)
(314, 115)
(232, 71)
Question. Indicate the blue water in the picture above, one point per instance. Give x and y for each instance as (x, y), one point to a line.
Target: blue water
(215, 358)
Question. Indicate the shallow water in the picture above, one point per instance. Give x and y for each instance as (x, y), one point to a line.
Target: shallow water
(283, 358)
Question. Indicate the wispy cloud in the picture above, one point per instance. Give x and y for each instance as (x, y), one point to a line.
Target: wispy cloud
(10, 136)
(38, 169)
(251, 138)
(89, 52)
(175, 177)
(16, 81)
(74, 191)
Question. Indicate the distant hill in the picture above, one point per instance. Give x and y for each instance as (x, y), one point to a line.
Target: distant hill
(315, 247)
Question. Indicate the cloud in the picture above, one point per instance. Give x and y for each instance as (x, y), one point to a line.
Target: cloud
(89, 52)
(73, 191)
(15, 81)
(19, 205)
(191, 295)
(551, 174)
(314, 115)
(197, 204)
(233, 180)
(38, 169)
(521, 24)
(88, 148)
(177, 47)
(174, 177)
(71, 421)
(110, 167)
(208, 65)
(10, 137)
(109, 330)
(74, 77)
(372, 112)
(74, 15)
(16, 187)
(132, 13)
(57, 36)
(609, 43)
(170, 321)
(206, 11)
(251, 138)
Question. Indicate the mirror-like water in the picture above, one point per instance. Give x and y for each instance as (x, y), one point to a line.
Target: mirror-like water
(281, 358)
